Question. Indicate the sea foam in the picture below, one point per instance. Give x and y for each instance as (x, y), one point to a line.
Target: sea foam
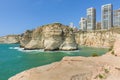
(22, 49)
(41, 50)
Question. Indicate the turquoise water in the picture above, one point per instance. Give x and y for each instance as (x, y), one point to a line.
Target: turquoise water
(14, 60)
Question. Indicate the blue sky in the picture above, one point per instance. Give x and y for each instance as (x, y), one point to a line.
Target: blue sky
(16, 16)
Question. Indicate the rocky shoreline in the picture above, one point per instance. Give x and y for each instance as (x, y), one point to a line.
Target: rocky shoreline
(57, 36)
(60, 37)
(106, 67)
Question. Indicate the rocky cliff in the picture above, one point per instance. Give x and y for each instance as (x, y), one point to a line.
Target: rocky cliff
(9, 39)
(52, 37)
(25, 38)
(60, 37)
(106, 67)
(103, 38)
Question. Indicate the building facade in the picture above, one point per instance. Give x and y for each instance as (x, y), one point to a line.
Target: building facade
(91, 19)
(98, 26)
(116, 18)
(107, 16)
(83, 24)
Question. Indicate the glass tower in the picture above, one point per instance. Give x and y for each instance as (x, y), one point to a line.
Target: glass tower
(83, 24)
(107, 16)
(116, 18)
(91, 19)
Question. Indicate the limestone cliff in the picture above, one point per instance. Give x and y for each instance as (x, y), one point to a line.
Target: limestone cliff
(25, 38)
(103, 38)
(9, 39)
(52, 37)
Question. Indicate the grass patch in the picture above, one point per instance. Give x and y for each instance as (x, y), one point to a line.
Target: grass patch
(101, 76)
(112, 53)
(95, 55)
(106, 70)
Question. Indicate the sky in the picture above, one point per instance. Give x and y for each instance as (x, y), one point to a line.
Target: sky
(17, 16)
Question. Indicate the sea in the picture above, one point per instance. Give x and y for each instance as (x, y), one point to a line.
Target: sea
(14, 59)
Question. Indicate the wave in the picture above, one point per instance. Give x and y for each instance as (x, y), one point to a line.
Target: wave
(42, 50)
(22, 49)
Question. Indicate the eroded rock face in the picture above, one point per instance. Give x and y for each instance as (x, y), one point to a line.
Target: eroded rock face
(10, 39)
(25, 38)
(96, 38)
(52, 37)
(116, 46)
(68, 44)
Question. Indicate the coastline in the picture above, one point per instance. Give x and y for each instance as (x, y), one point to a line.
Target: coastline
(69, 68)
(95, 46)
(55, 37)
(72, 66)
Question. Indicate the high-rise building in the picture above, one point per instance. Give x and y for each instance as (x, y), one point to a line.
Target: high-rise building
(116, 18)
(107, 16)
(91, 19)
(83, 24)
